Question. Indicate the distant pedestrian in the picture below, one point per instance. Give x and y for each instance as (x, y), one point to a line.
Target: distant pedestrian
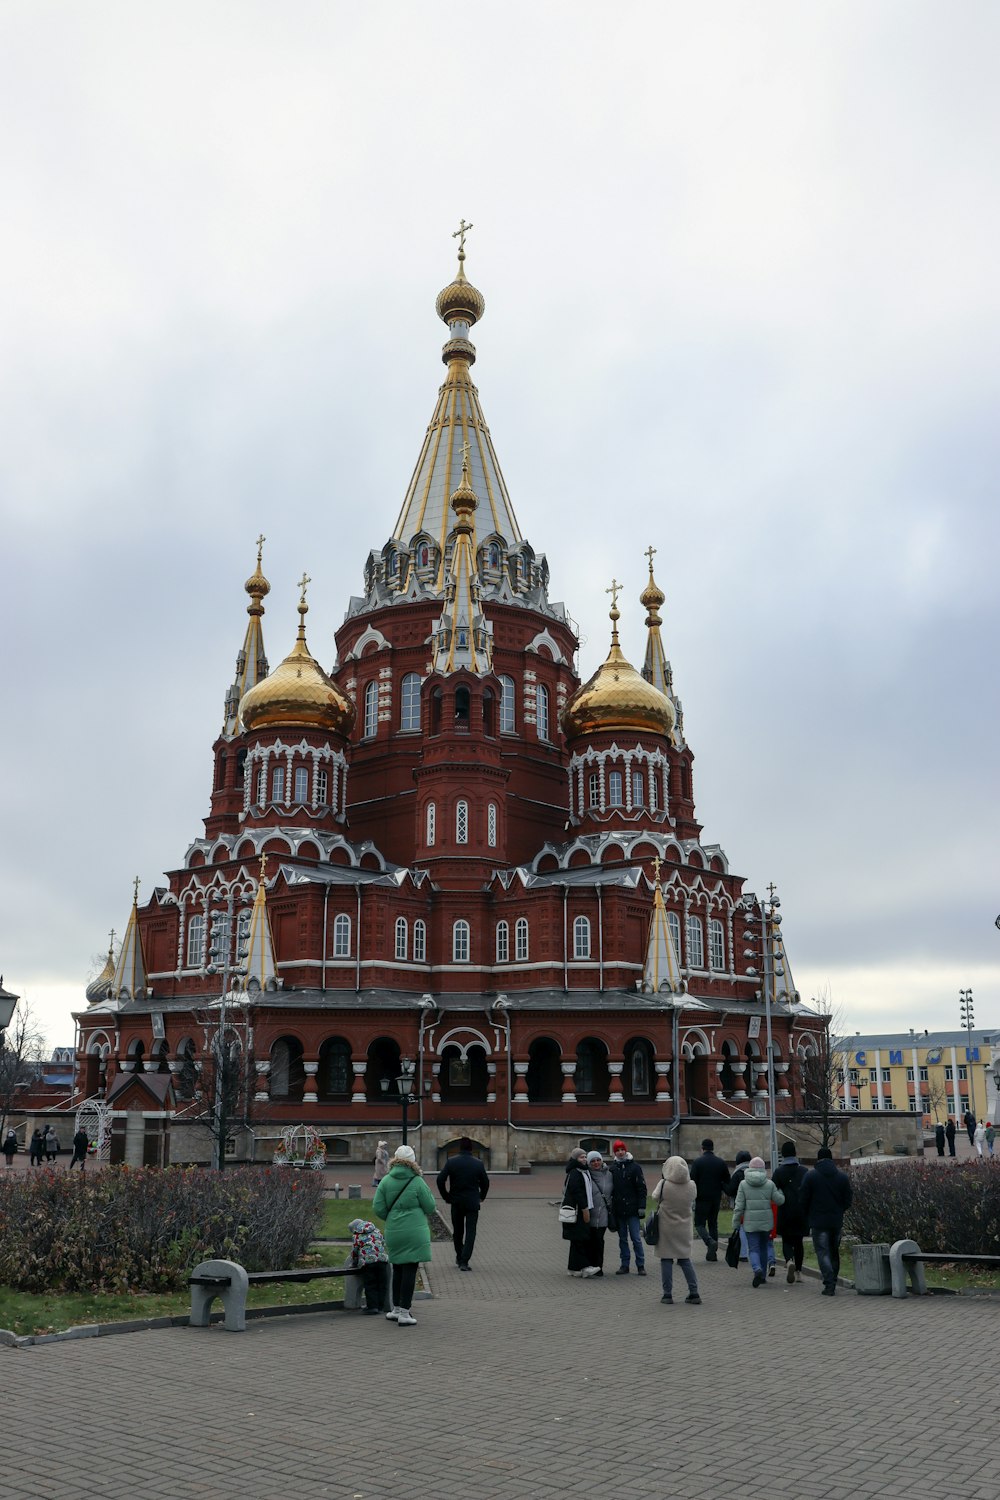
(381, 1163)
(949, 1131)
(674, 1196)
(81, 1145)
(36, 1151)
(406, 1204)
(10, 1147)
(463, 1184)
(710, 1176)
(792, 1225)
(601, 1213)
(979, 1138)
(578, 1193)
(969, 1121)
(939, 1138)
(628, 1201)
(991, 1136)
(825, 1197)
(51, 1144)
(369, 1253)
(753, 1210)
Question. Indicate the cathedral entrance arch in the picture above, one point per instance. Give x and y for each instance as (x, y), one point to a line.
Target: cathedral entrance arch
(695, 1052)
(592, 1079)
(544, 1071)
(383, 1069)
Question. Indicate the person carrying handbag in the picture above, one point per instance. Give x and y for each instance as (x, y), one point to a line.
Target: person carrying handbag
(674, 1195)
(578, 1194)
(406, 1204)
(601, 1215)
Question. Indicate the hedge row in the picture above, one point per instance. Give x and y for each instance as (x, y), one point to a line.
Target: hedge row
(954, 1207)
(125, 1229)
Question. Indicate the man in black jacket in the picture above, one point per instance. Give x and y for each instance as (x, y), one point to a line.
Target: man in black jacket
(628, 1203)
(792, 1225)
(825, 1196)
(463, 1183)
(710, 1176)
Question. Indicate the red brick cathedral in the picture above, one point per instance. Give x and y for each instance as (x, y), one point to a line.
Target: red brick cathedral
(445, 860)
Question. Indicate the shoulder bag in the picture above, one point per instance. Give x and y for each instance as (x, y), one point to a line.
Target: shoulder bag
(733, 1249)
(651, 1228)
(567, 1213)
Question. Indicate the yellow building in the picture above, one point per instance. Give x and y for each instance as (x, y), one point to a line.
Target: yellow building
(930, 1073)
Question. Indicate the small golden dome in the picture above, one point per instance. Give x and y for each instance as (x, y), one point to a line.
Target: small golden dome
(257, 585)
(460, 300)
(617, 698)
(298, 692)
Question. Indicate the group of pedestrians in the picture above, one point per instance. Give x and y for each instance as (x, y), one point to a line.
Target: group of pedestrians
(44, 1147)
(982, 1135)
(605, 1197)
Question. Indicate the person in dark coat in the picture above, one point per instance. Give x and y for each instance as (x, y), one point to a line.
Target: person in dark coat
(949, 1131)
(36, 1151)
(463, 1184)
(969, 1121)
(825, 1197)
(792, 1225)
(578, 1193)
(81, 1144)
(10, 1147)
(939, 1138)
(628, 1203)
(710, 1176)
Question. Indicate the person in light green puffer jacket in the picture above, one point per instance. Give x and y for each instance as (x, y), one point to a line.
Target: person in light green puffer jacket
(753, 1209)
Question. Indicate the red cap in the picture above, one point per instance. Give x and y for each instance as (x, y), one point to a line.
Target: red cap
(618, 1146)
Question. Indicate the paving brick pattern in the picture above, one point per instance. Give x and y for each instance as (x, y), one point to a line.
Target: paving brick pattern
(544, 1384)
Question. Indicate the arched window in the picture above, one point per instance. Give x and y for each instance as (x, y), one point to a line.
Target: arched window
(401, 936)
(278, 784)
(638, 1074)
(301, 784)
(491, 825)
(371, 710)
(521, 940)
(506, 705)
(322, 788)
(594, 789)
(461, 822)
(341, 935)
(614, 789)
(409, 713)
(460, 942)
(419, 941)
(542, 712)
(288, 1076)
(716, 944)
(638, 789)
(431, 824)
(581, 937)
(334, 1076)
(592, 1078)
(196, 941)
(544, 1077)
(674, 925)
(503, 943)
(696, 943)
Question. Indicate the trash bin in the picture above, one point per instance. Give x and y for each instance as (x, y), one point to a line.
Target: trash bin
(872, 1277)
(354, 1190)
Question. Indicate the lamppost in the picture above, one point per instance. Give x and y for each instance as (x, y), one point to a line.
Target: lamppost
(772, 968)
(968, 1021)
(404, 1087)
(8, 1005)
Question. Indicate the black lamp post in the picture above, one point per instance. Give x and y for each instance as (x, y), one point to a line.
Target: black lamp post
(404, 1087)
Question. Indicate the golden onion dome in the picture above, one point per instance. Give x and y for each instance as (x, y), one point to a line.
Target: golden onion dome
(618, 698)
(298, 692)
(257, 587)
(460, 301)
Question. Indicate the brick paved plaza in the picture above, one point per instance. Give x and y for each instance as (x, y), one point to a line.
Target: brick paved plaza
(545, 1385)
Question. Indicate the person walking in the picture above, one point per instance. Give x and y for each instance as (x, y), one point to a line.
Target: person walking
(601, 1214)
(753, 1210)
(463, 1184)
(51, 1144)
(969, 1121)
(381, 1163)
(710, 1176)
(949, 1131)
(991, 1136)
(36, 1152)
(939, 1138)
(792, 1225)
(578, 1193)
(406, 1204)
(674, 1195)
(369, 1254)
(979, 1138)
(10, 1146)
(825, 1197)
(628, 1204)
(81, 1145)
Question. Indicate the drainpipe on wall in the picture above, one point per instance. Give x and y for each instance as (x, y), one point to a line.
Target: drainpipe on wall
(326, 906)
(427, 1003)
(357, 944)
(565, 891)
(600, 938)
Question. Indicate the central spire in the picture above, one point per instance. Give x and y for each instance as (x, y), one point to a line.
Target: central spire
(462, 638)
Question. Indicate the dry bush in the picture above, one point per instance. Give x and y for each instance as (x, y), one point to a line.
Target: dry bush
(954, 1207)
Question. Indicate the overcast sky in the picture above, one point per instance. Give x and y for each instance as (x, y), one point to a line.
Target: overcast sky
(740, 269)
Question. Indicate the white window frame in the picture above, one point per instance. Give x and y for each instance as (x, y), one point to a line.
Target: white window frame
(371, 710)
(301, 784)
(491, 825)
(695, 942)
(322, 787)
(542, 712)
(581, 937)
(278, 784)
(616, 789)
(638, 789)
(341, 935)
(460, 939)
(503, 943)
(674, 928)
(409, 703)
(195, 948)
(431, 837)
(508, 718)
(594, 789)
(716, 945)
(420, 941)
(521, 940)
(402, 938)
(461, 821)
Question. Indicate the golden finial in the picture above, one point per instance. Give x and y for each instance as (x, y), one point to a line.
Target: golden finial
(263, 867)
(304, 583)
(466, 450)
(650, 553)
(459, 235)
(260, 547)
(111, 942)
(656, 868)
(135, 891)
(614, 611)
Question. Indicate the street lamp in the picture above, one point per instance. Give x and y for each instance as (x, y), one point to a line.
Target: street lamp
(968, 1021)
(404, 1087)
(8, 1005)
(769, 955)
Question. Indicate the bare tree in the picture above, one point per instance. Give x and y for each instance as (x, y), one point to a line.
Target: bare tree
(820, 1071)
(222, 1089)
(22, 1048)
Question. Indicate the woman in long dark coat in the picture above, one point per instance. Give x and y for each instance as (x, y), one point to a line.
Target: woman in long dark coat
(578, 1194)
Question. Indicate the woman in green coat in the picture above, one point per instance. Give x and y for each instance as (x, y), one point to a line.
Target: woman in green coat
(406, 1203)
(754, 1209)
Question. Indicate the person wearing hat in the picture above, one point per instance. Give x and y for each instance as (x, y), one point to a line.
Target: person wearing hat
(826, 1196)
(628, 1204)
(381, 1164)
(601, 1213)
(406, 1204)
(674, 1194)
(369, 1254)
(753, 1211)
(710, 1176)
(792, 1225)
(463, 1184)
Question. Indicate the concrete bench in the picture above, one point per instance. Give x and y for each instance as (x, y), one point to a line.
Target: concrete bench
(230, 1282)
(907, 1259)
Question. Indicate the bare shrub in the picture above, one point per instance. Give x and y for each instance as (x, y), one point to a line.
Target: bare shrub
(943, 1208)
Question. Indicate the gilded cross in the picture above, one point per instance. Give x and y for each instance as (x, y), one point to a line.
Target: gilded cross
(260, 545)
(772, 890)
(656, 868)
(263, 866)
(304, 581)
(650, 552)
(460, 234)
(111, 945)
(135, 891)
(614, 591)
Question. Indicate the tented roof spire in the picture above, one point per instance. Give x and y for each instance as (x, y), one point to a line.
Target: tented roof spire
(130, 980)
(251, 660)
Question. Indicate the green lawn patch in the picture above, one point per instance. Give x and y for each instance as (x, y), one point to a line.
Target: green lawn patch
(338, 1213)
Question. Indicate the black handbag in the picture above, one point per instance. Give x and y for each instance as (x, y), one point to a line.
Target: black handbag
(733, 1250)
(651, 1228)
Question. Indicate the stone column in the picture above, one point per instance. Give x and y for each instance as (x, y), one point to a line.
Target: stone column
(263, 1069)
(358, 1093)
(781, 1068)
(568, 1091)
(616, 1095)
(520, 1083)
(309, 1095)
(662, 1082)
(491, 1083)
(739, 1068)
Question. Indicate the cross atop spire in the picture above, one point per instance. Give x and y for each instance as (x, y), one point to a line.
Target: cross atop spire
(656, 868)
(263, 866)
(459, 235)
(614, 591)
(260, 546)
(135, 891)
(650, 553)
(304, 583)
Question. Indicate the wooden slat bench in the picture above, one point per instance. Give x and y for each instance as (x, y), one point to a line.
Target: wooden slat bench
(230, 1282)
(907, 1259)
